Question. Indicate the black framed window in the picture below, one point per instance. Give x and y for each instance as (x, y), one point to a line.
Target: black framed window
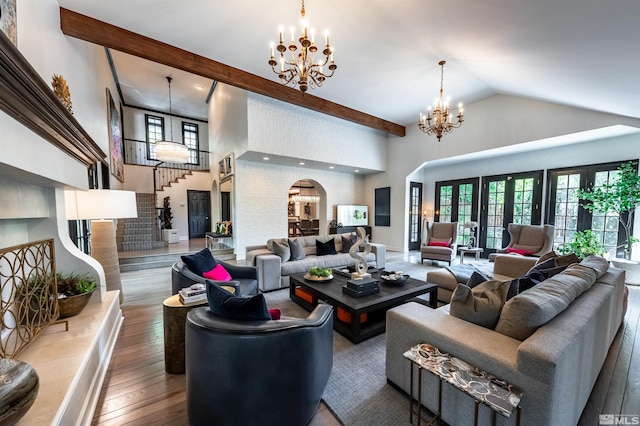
(566, 214)
(190, 138)
(155, 133)
(457, 201)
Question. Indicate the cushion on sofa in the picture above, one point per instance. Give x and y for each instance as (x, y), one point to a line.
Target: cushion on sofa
(199, 262)
(600, 265)
(226, 305)
(348, 242)
(282, 250)
(326, 248)
(524, 313)
(297, 249)
(480, 305)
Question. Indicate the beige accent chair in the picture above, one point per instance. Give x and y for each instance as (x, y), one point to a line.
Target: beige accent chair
(440, 232)
(535, 238)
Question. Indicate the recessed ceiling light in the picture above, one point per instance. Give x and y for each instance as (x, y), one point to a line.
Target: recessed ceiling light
(357, 171)
(331, 167)
(199, 87)
(265, 158)
(301, 163)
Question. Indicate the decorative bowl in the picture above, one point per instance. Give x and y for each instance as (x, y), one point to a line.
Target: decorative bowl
(393, 278)
(317, 278)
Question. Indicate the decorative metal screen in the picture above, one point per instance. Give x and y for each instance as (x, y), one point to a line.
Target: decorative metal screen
(29, 294)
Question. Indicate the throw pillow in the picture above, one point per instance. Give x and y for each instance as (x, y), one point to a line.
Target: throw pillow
(347, 243)
(519, 251)
(480, 305)
(218, 274)
(282, 250)
(323, 249)
(439, 243)
(226, 305)
(297, 250)
(600, 265)
(476, 278)
(200, 262)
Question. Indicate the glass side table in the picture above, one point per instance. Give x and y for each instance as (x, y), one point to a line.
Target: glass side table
(473, 250)
(484, 388)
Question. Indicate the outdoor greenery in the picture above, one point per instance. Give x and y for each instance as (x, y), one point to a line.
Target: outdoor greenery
(620, 196)
(584, 243)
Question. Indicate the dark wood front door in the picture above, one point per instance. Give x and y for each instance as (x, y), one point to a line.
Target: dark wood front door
(199, 213)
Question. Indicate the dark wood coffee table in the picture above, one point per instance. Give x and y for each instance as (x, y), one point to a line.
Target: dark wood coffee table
(374, 306)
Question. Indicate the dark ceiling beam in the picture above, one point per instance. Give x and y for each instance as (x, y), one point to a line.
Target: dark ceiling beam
(94, 31)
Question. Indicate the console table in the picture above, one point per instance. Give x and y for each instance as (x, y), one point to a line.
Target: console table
(345, 229)
(499, 395)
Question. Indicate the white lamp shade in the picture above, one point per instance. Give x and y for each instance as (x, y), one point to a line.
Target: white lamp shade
(172, 152)
(100, 204)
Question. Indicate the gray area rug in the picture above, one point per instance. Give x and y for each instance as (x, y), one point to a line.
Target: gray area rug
(357, 391)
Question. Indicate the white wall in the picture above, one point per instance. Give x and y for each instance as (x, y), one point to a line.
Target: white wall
(28, 158)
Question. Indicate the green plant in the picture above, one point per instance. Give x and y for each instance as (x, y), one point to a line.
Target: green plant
(74, 284)
(620, 196)
(320, 272)
(584, 243)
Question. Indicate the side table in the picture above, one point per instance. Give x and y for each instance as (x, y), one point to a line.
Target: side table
(500, 396)
(174, 315)
(473, 250)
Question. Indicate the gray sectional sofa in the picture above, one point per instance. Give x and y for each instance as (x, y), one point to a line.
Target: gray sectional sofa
(274, 269)
(556, 366)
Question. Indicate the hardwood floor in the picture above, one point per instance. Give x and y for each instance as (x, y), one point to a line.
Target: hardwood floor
(137, 391)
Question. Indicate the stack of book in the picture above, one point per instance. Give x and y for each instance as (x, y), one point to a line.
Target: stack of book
(363, 287)
(189, 296)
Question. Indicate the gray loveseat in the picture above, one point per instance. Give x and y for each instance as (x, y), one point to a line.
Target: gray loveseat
(556, 366)
(274, 273)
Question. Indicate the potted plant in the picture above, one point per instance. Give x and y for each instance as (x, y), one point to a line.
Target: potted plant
(619, 197)
(584, 243)
(74, 293)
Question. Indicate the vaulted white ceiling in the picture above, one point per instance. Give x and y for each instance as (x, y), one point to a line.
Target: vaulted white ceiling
(576, 52)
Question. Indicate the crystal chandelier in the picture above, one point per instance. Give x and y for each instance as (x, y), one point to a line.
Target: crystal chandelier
(302, 66)
(441, 117)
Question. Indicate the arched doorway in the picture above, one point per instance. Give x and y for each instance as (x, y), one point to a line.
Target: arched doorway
(306, 202)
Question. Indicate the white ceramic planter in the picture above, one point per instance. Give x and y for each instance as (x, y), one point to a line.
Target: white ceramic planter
(631, 269)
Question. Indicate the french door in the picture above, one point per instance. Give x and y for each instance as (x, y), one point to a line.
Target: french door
(569, 217)
(457, 201)
(514, 198)
(415, 213)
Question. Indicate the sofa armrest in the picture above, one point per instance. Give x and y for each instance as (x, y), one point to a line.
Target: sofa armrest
(511, 265)
(269, 272)
(381, 254)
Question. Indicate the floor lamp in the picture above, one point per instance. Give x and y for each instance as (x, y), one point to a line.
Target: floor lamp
(101, 206)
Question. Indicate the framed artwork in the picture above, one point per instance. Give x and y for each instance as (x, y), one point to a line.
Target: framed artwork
(116, 147)
(8, 20)
(383, 206)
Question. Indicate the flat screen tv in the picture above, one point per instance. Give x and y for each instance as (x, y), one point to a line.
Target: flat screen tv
(350, 215)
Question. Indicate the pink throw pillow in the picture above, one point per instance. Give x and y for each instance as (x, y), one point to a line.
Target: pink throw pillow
(218, 274)
(439, 243)
(519, 251)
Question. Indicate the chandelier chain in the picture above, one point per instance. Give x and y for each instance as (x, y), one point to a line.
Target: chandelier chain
(441, 118)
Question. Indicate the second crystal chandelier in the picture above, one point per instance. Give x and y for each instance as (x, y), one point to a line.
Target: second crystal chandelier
(301, 69)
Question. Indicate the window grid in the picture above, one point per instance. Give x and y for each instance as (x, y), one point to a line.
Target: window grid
(415, 214)
(495, 214)
(566, 208)
(523, 201)
(605, 225)
(446, 203)
(190, 138)
(155, 133)
(465, 204)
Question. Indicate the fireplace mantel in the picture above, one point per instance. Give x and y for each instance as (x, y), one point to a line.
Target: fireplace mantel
(26, 97)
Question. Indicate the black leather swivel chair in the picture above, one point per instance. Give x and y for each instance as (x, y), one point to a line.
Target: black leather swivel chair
(257, 372)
